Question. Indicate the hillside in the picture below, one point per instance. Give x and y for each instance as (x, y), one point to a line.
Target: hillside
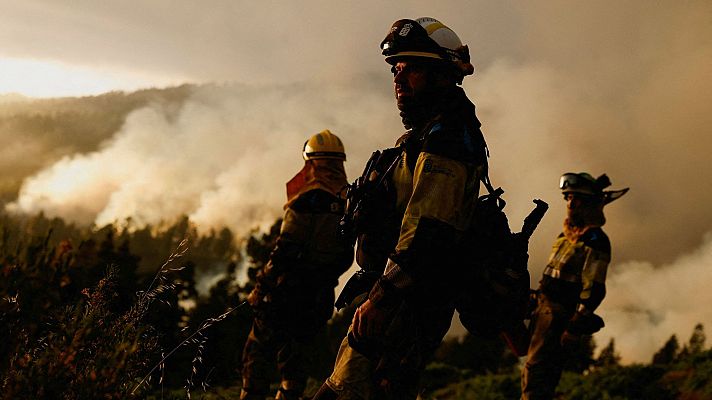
(35, 133)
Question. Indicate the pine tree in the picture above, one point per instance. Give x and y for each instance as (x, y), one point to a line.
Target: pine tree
(668, 353)
(608, 356)
(697, 340)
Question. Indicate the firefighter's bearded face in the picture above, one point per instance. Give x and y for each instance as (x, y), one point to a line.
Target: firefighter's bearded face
(416, 83)
(582, 209)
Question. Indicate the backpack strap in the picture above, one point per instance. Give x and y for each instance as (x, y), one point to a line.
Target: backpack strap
(493, 193)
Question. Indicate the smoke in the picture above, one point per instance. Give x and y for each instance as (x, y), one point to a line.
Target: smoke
(602, 87)
(635, 108)
(648, 303)
(222, 158)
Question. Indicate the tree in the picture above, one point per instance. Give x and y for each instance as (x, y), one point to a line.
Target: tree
(480, 354)
(608, 356)
(258, 249)
(695, 345)
(697, 340)
(220, 345)
(668, 353)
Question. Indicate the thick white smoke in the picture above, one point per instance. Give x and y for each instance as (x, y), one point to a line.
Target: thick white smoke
(222, 159)
(647, 303)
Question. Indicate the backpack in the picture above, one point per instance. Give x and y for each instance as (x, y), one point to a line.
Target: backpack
(495, 296)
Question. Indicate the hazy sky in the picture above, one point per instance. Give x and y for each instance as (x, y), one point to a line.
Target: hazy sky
(617, 87)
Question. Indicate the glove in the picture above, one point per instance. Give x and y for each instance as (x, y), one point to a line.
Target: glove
(256, 297)
(265, 285)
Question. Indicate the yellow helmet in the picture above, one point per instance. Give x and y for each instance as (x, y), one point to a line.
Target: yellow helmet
(324, 145)
(427, 38)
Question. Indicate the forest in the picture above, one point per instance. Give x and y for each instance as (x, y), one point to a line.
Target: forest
(115, 312)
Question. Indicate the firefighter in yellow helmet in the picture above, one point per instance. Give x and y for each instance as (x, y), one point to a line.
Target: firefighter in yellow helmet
(408, 226)
(573, 284)
(294, 295)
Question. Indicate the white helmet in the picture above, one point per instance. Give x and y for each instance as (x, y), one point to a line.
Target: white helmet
(324, 145)
(427, 38)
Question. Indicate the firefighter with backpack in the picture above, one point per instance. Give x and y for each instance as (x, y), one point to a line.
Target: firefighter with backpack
(409, 231)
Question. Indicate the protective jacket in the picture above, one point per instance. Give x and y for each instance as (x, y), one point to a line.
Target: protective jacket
(309, 250)
(576, 271)
(436, 185)
(572, 287)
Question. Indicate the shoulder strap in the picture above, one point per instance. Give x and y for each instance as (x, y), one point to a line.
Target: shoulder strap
(488, 184)
(492, 192)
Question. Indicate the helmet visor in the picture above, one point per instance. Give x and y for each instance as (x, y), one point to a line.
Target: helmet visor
(569, 181)
(578, 183)
(408, 36)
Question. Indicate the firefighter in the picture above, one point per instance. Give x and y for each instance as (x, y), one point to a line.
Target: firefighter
(294, 293)
(409, 228)
(573, 284)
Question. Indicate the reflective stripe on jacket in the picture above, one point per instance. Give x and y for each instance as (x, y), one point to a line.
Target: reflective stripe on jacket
(582, 264)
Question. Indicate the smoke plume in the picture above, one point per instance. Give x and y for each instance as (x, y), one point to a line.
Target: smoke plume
(648, 303)
(222, 158)
(602, 87)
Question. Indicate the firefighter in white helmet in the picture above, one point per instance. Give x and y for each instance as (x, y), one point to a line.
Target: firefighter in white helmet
(573, 284)
(294, 295)
(408, 228)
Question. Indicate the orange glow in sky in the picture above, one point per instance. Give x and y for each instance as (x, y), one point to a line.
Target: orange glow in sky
(39, 78)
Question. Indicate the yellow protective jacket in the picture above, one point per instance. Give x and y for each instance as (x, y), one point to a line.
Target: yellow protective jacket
(576, 271)
(436, 185)
(311, 227)
(309, 245)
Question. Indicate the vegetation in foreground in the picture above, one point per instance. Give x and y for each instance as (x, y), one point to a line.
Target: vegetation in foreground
(115, 313)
